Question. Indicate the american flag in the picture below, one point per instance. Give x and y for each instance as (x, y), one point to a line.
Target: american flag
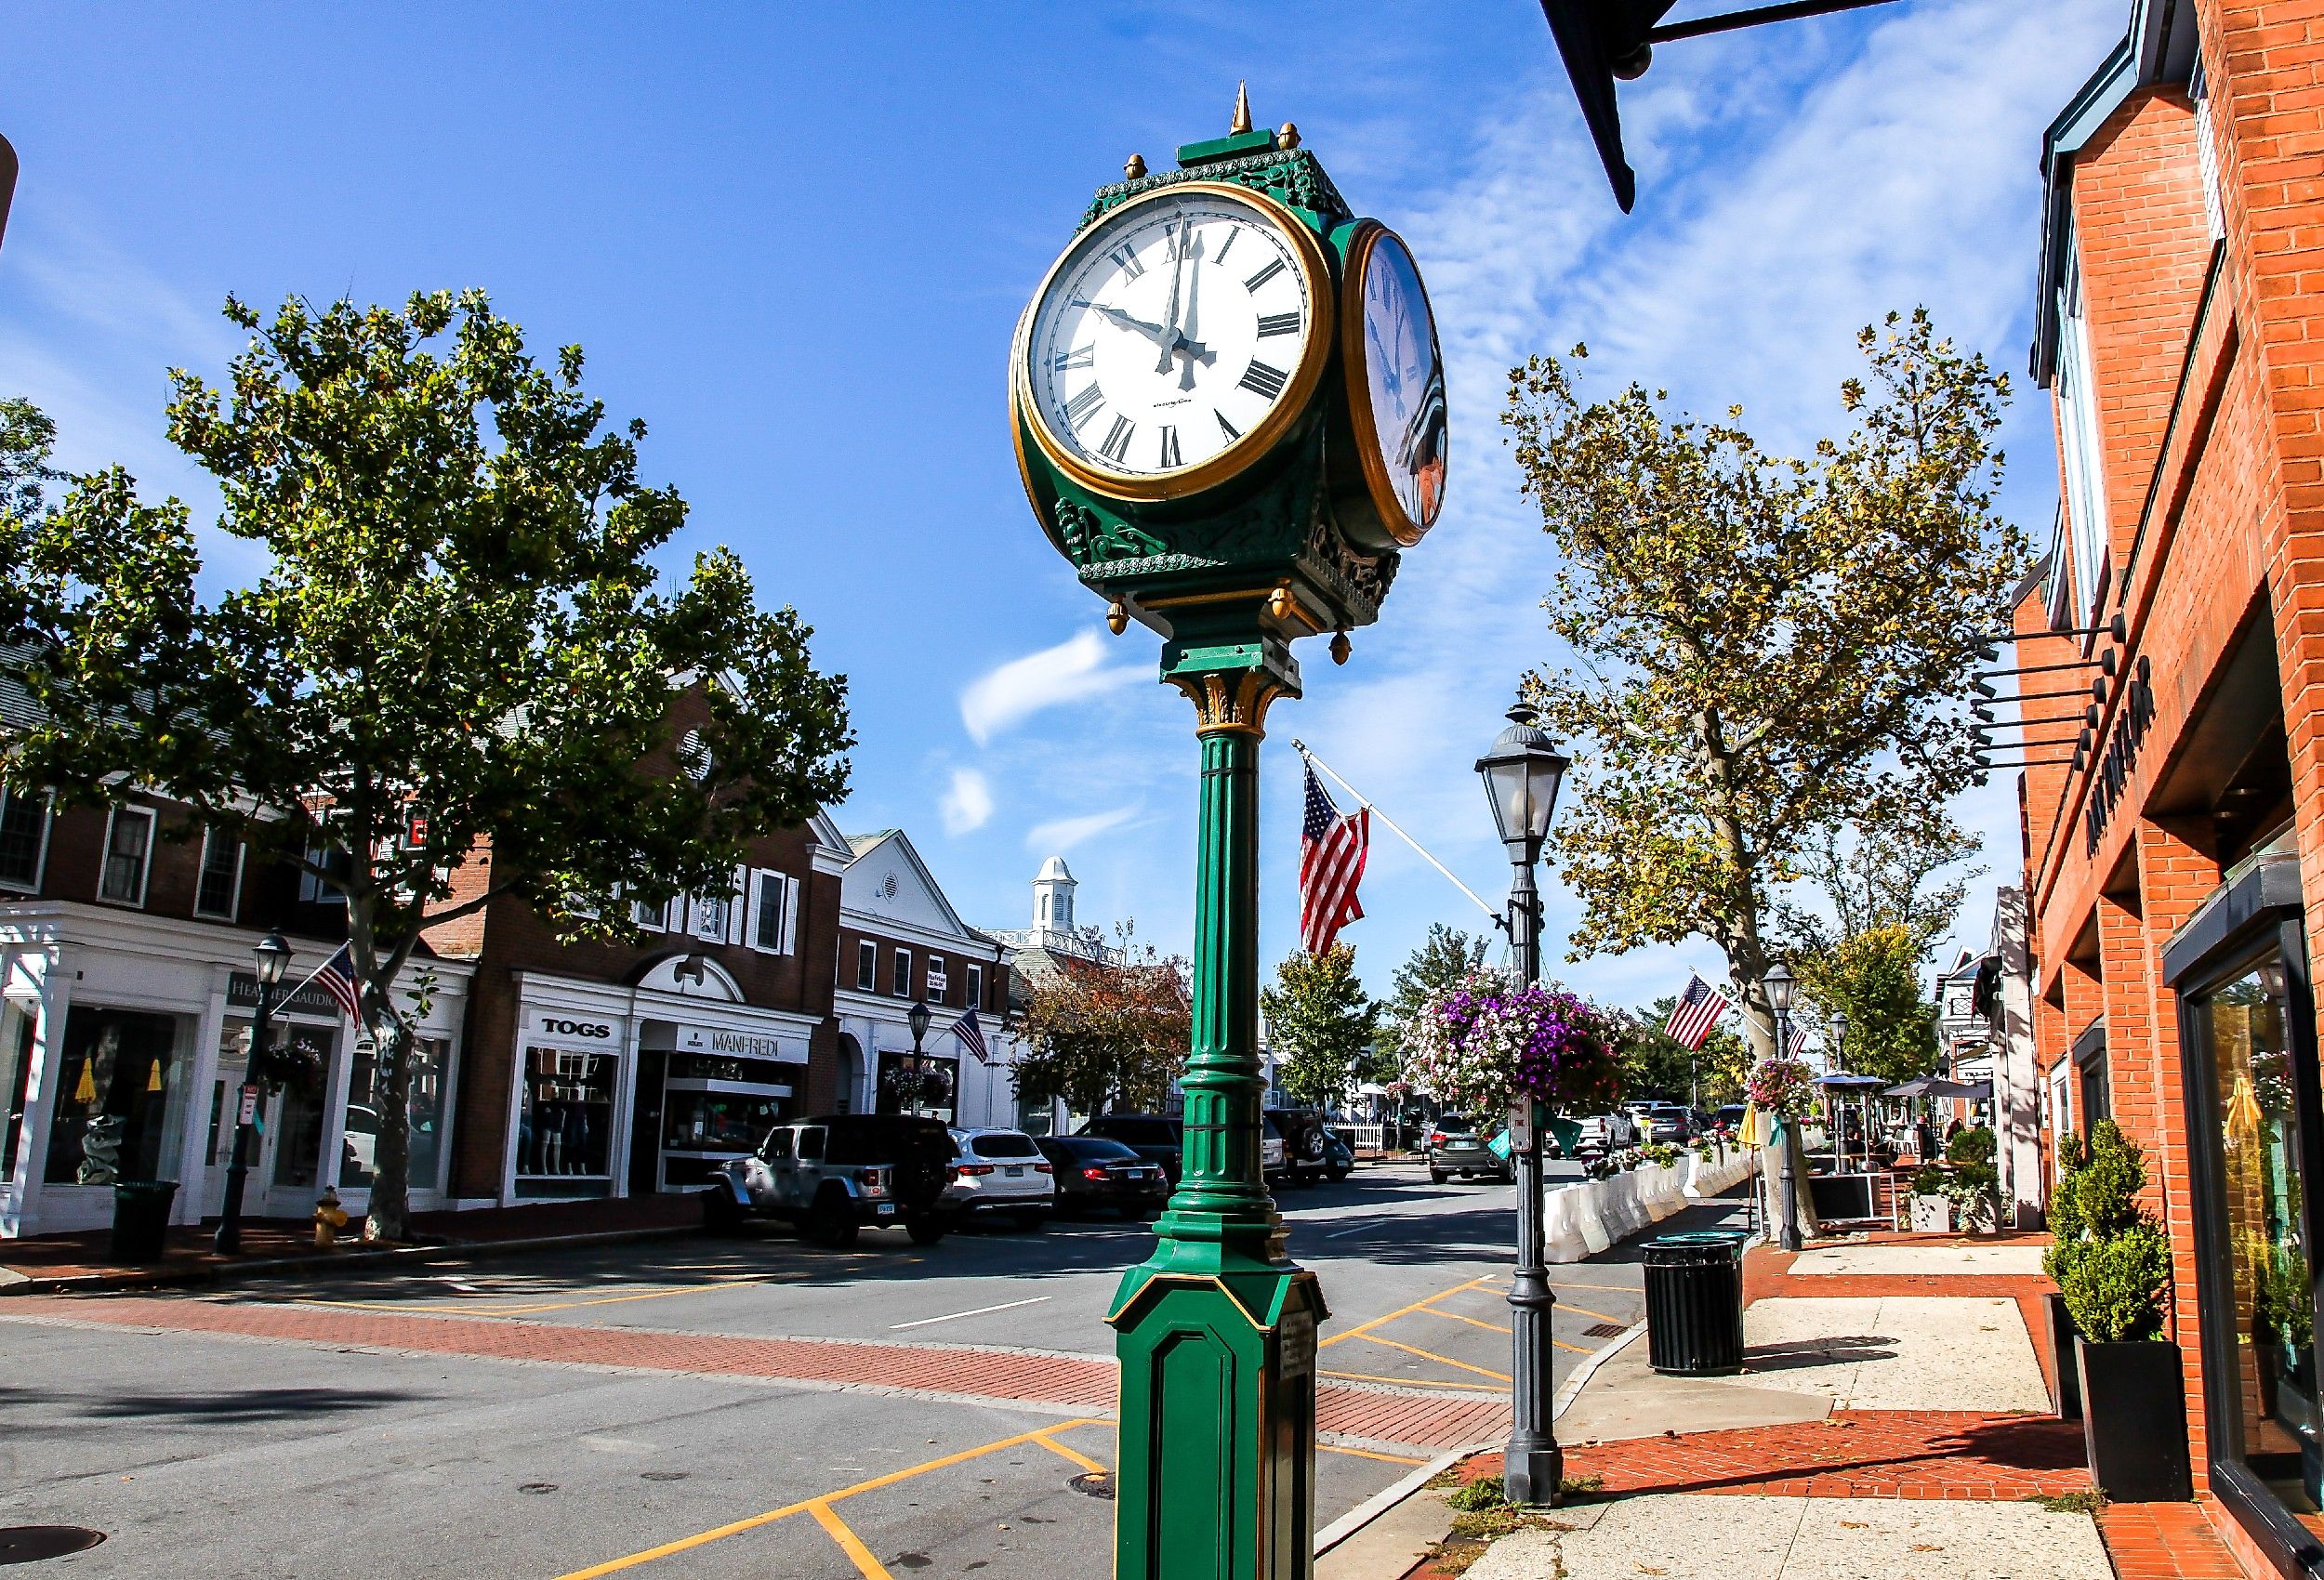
(1799, 1042)
(337, 977)
(1697, 1010)
(972, 1034)
(1331, 863)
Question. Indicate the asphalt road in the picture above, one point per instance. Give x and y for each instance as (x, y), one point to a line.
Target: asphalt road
(643, 1407)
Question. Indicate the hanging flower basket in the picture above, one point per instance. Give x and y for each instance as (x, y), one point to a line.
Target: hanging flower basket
(1482, 1045)
(1782, 1085)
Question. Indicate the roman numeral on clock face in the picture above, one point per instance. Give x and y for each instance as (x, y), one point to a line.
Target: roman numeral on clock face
(1081, 356)
(1126, 260)
(1264, 378)
(1116, 444)
(1273, 324)
(1231, 432)
(1079, 409)
(1170, 457)
(1273, 267)
(1228, 245)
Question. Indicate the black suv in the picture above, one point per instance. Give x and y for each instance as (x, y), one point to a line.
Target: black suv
(832, 1176)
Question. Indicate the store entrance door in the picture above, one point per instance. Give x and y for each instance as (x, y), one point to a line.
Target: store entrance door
(225, 1108)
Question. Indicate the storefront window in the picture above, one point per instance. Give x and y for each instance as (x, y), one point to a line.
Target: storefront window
(922, 1085)
(17, 1022)
(565, 1124)
(1034, 1118)
(359, 1142)
(716, 1108)
(2260, 1218)
(119, 1098)
(299, 1115)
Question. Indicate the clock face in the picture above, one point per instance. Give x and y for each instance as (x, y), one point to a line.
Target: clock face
(1176, 335)
(1399, 377)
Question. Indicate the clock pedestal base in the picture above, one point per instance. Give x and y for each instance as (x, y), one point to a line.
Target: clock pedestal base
(1217, 1330)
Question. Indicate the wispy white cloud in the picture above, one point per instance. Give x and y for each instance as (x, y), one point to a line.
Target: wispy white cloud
(1061, 834)
(967, 801)
(1071, 670)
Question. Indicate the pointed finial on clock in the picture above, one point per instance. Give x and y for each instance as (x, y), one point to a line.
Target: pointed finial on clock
(1134, 166)
(1242, 108)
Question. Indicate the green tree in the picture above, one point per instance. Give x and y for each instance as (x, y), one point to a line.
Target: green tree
(1762, 648)
(457, 660)
(1097, 1032)
(1446, 956)
(1320, 1023)
(1873, 978)
(1881, 876)
(1655, 1063)
(27, 435)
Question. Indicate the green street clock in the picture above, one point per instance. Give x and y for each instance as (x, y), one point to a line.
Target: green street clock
(1228, 406)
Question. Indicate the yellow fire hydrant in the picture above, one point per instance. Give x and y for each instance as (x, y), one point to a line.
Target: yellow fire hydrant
(330, 1218)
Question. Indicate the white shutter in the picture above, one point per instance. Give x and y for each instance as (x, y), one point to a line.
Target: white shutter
(750, 908)
(790, 914)
(736, 903)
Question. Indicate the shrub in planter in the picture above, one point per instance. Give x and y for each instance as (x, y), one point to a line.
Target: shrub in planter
(2114, 1271)
(1972, 1145)
(1662, 1155)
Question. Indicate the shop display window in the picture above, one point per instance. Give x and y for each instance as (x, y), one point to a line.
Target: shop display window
(19, 1022)
(119, 1100)
(305, 1076)
(715, 1107)
(922, 1085)
(565, 1124)
(359, 1142)
(2260, 1217)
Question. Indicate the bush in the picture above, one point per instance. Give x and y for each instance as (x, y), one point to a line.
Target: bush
(2114, 1288)
(1974, 1145)
(1928, 1180)
(1662, 1155)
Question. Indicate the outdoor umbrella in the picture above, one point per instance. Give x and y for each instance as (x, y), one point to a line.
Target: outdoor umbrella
(1937, 1086)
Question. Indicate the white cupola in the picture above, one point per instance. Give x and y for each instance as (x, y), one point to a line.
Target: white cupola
(1053, 897)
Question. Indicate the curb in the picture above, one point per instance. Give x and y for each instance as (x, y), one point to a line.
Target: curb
(1581, 1374)
(229, 1272)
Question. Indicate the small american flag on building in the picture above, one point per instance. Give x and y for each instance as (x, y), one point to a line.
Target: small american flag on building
(337, 977)
(1697, 1010)
(972, 1034)
(1332, 850)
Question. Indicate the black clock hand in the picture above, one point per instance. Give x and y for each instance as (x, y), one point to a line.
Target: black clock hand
(1178, 273)
(1194, 351)
(1152, 332)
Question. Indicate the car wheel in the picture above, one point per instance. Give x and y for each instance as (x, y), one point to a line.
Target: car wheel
(720, 1213)
(1436, 1177)
(1337, 1175)
(925, 1231)
(828, 1223)
(1033, 1223)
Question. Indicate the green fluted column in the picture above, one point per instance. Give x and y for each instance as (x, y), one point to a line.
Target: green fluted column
(1217, 1329)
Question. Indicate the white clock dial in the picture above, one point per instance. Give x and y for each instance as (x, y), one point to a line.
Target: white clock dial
(1170, 332)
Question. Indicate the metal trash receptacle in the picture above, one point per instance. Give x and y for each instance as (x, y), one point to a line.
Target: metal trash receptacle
(141, 1218)
(1695, 1304)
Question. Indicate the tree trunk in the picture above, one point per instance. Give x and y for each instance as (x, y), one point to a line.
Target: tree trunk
(391, 1091)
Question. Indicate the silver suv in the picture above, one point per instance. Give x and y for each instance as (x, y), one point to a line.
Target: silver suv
(835, 1175)
(1001, 1171)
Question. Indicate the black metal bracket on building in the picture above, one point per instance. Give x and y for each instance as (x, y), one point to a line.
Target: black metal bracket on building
(2118, 628)
(2095, 689)
(2104, 661)
(1603, 41)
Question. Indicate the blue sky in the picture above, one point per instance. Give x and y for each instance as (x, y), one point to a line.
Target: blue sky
(794, 239)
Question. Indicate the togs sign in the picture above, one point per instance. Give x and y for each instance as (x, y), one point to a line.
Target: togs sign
(581, 1030)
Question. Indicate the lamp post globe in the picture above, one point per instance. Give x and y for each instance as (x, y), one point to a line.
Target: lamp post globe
(1522, 771)
(918, 1016)
(270, 956)
(1781, 986)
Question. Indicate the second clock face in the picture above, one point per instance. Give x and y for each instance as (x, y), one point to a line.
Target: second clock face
(1172, 332)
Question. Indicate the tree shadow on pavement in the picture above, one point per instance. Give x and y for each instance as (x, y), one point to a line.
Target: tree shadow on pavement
(242, 1406)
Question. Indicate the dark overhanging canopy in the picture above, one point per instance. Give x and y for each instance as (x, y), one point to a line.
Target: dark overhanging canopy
(1937, 1086)
(1601, 41)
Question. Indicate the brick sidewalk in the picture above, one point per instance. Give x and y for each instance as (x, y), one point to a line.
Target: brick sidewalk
(1412, 1417)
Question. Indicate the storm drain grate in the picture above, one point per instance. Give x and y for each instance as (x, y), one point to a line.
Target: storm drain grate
(1603, 1330)
(1097, 1484)
(30, 1544)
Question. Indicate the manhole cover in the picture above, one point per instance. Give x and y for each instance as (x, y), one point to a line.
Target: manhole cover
(30, 1544)
(1603, 1330)
(1097, 1483)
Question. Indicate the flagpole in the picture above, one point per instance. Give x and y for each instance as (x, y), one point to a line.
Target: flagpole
(1314, 761)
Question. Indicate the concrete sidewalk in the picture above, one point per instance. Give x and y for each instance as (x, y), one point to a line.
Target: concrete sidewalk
(63, 1264)
(1892, 1420)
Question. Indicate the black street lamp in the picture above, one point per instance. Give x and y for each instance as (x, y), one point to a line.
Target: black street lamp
(273, 956)
(1840, 1067)
(1522, 773)
(917, 1017)
(1780, 987)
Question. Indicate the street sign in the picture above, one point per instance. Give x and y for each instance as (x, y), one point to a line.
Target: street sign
(1521, 1125)
(249, 1110)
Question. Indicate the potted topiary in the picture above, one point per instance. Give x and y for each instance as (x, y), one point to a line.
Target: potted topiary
(1974, 1184)
(2114, 1275)
(2065, 1228)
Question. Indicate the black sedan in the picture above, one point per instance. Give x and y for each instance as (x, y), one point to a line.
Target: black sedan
(1093, 1172)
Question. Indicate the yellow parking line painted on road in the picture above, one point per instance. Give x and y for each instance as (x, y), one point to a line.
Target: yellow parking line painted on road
(1473, 1321)
(860, 1555)
(1412, 1382)
(1432, 1355)
(1077, 1457)
(1609, 1289)
(687, 1544)
(1363, 1329)
(1368, 1454)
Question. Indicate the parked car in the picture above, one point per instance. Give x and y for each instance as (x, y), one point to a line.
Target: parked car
(1160, 1137)
(1603, 1133)
(1729, 1118)
(1093, 1172)
(1665, 1121)
(1309, 1147)
(1454, 1147)
(833, 1176)
(999, 1172)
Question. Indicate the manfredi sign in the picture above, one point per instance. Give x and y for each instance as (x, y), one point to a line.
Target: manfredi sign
(740, 1045)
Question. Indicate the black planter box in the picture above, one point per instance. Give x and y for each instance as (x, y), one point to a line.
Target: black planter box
(2135, 1420)
(2065, 1393)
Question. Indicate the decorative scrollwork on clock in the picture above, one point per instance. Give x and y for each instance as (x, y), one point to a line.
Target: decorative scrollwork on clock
(1093, 539)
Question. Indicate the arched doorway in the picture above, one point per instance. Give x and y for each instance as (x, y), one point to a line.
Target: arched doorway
(850, 1071)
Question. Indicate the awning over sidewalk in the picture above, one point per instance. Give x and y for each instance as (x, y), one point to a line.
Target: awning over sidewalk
(1937, 1086)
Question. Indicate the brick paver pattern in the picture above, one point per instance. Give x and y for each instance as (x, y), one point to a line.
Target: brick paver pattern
(1906, 1454)
(1412, 1416)
(2165, 1541)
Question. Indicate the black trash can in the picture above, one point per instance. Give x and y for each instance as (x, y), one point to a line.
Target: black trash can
(1695, 1304)
(141, 1218)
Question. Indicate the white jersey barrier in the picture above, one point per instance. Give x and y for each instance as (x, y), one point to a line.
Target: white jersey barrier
(1582, 1219)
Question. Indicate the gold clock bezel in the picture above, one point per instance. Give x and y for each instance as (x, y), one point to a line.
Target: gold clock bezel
(1392, 514)
(1230, 461)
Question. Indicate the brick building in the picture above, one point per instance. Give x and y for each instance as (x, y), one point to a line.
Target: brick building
(2169, 837)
